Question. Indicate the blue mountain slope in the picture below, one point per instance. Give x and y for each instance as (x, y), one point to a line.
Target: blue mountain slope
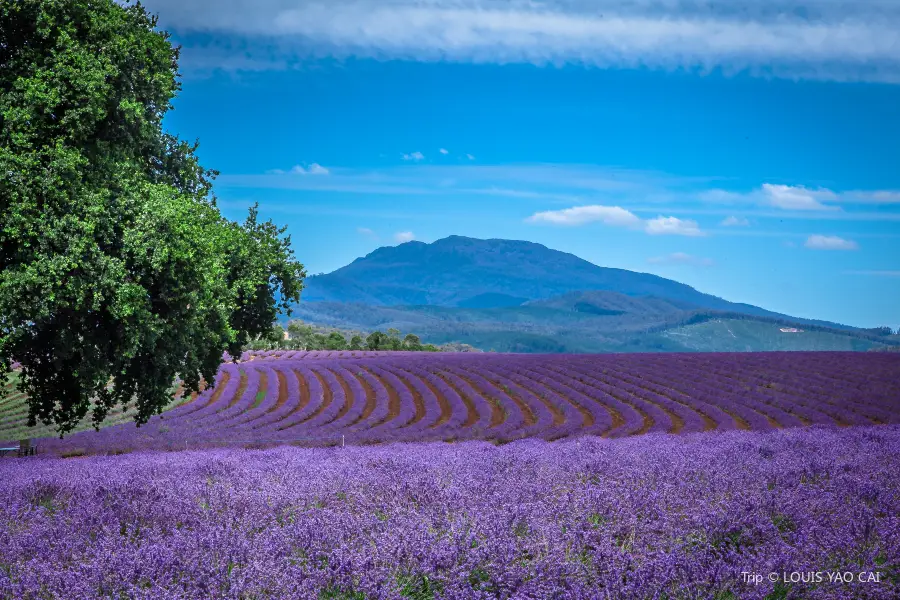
(471, 273)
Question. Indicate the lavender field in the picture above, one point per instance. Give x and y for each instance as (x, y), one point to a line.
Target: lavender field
(654, 516)
(327, 398)
(648, 476)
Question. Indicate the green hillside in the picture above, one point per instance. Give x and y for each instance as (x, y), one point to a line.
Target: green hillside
(576, 324)
(731, 335)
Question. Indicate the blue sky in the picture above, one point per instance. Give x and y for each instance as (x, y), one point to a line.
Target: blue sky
(751, 150)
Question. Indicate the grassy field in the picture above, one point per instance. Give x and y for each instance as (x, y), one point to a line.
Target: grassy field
(14, 415)
(735, 335)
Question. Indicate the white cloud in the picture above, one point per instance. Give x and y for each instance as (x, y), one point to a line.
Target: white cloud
(470, 157)
(801, 198)
(580, 215)
(644, 193)
(830, 242)
(366, 232)
(796, 197)
(618, 217)
(672, 226)
(733, 221)
(317, 169)
(414, 156)
(876, 197)
(404, 236)
(681, 258)
(444, 151)
(819, 39)
(313, 169)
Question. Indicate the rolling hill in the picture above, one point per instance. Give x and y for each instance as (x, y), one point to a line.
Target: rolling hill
(524, 297)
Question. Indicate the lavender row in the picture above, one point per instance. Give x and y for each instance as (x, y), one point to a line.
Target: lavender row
(652, 516)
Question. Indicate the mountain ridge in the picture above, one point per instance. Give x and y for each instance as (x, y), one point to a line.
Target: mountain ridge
(517, 296)
(457, 270)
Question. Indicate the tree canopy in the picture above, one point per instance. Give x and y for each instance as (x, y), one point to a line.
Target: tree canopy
(117, 271)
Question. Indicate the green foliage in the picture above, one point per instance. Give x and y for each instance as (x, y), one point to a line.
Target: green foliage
(307, 337)
(336, 593)
(276, 334)
(781, 591)
(117, 271)
(335, 341)
(412, 342)
(356, 343)
(377, 341)
(419, 586)
(880, 331)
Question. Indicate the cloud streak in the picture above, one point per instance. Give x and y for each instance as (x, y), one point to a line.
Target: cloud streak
(797, 197)
(818, 39)
(830, 242)
(673, 226)
(616, 216)
(640, 192)
(313, 169)
(732, 221)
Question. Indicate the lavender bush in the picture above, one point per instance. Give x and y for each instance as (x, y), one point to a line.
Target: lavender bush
(648, 517)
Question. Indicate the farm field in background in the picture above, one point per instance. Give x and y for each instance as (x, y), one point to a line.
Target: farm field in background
(329, 398)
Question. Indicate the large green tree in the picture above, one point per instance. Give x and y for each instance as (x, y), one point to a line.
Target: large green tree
(117, 271)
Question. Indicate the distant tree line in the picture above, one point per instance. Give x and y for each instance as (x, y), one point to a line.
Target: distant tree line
(882, 331)
(301, 336)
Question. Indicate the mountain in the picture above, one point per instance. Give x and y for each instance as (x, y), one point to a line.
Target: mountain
(469, 272)
(456, 269)
(524, 297)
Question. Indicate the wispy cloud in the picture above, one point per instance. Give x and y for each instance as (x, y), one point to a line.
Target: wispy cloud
(366, 232)
(404, 236)
(681, 258)
(830, 242)
(470, 157)
(821, 39)
(673, 226)
(414, 156)
(801, 198)
(616, 216)
(581, 215)
(313, 169)
(732, 221)
(644, 193)
(797, 197)
(444, 151)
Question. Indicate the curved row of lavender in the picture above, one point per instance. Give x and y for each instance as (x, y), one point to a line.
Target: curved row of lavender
(329, 398)
(655, 516)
